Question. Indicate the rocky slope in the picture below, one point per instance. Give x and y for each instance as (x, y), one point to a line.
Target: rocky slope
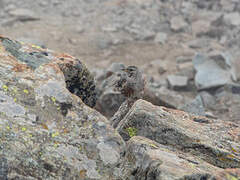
(188, 51)
(47, 132)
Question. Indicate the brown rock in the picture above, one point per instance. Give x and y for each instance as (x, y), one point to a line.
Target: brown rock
(150, 160)
(208, 140)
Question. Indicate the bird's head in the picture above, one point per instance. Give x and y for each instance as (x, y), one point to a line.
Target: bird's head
(132, 71)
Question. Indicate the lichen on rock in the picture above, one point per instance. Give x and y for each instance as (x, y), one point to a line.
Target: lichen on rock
(47, 132)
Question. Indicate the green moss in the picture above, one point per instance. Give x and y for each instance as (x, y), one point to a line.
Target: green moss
(132, 131)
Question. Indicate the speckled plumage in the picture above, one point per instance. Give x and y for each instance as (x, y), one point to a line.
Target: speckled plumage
(131, 82)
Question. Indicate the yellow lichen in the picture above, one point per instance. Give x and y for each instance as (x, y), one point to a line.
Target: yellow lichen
(234, 150)
(24, 129)
(5, 88)
(55, 145)
(53, 99)
(25, 91)
(15, 99)
(80, 148)
(153, 145)
(193, 166)
(55, 134)
(230, 177)
(132, 131)
(35, 46)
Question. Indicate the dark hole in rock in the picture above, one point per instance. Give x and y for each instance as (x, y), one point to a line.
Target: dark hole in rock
(79, 81)
(198, 176)
(135, 172)
(45, 53)
(48, 167)
(64, 108)
(200, 120)
(236, 89)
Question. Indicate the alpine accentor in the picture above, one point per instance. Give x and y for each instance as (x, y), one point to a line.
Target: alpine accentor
(131, 85)
(131, 82)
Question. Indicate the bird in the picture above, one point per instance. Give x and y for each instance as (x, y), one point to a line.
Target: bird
(131, 82)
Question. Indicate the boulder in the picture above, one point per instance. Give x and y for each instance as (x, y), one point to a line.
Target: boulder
(210, 73)
(149, 160)
(212, 141)
(47, 131)
(23, 14)
(177, 82)
(178, 24)
(232, 18)
(196, 106)
(161, 38)
(164, 97)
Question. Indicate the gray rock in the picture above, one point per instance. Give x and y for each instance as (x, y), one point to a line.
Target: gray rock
(178, 24)
(177, 82)
(181, 132)
(155, 68)
(227, 5)
(115, 67)
(228, 103)
(31, 40)
(195, 107)
(200, 27)
(160, 38)
(208, 100)
(232, 18)
(208, 73)
(183, 59)
(103, 42)
(24, 14)
(150, 160)
(109, 28)
(9, 7)
(227, 61)
(164, 97)
(80, 29)
(198, 43)
(46, 131)
(43, 3)
(232, 60)
(186, 69)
